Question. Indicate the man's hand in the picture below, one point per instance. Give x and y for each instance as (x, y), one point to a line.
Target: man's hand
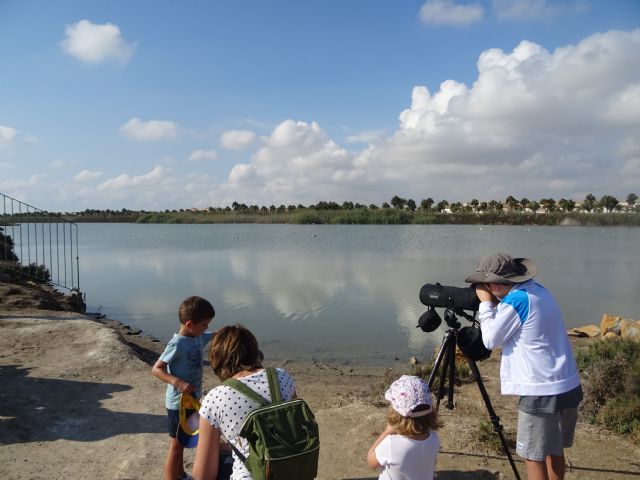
(484, 293)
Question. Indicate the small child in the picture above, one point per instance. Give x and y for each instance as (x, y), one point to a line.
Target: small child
(408, 448)
(180, 365)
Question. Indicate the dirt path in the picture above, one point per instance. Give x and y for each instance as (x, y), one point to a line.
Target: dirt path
(78, 401)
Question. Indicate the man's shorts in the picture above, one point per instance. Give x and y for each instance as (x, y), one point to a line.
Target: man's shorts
(173, 420)
(543, 434)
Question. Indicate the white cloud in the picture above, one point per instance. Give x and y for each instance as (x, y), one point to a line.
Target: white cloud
(447, 12)
(7, 135)
(365, 137)
(86, 175)
(237, 139)
(533, 123)
(93, 43)
(125, 180)
(297, 159)
(535, 9)
(151, 130)
(200, 155)
(625, 107)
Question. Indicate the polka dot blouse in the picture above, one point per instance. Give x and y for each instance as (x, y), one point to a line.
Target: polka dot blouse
(226, 409)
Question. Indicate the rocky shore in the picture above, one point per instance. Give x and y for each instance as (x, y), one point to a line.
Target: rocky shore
(78, 401)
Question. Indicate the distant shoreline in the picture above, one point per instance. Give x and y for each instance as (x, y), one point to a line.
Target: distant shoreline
(367, 217)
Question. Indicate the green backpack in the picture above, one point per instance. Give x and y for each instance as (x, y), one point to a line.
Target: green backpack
(283, 437)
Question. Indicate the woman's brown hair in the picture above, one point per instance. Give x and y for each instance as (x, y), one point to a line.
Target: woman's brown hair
(413, 426)
(234, 349)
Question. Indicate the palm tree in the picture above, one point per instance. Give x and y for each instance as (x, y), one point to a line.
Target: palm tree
(474, 204)
(426, 204)
(608, 203)
(549, 204)
(411, 205)
(589, 202)
(398, 202)
(512, 203)
(455, 207)
(493, 205)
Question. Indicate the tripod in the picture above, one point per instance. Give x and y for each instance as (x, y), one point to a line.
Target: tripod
(447, 359)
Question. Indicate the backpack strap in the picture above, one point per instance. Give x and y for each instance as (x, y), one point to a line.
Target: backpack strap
(246, 391)
(274, 385)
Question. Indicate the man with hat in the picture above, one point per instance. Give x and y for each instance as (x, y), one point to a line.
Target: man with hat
(523, 318)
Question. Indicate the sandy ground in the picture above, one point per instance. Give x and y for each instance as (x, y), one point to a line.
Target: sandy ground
(78, 402)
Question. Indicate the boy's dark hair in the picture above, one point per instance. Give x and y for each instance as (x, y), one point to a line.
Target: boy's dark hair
(410, 426)
(233, 349)
(196, 309)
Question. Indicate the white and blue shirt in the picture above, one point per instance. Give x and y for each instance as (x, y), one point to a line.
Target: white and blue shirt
(536, 354)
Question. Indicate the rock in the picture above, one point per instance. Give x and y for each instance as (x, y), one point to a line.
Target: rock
(630, 329)
(585, 331)
(615, 325)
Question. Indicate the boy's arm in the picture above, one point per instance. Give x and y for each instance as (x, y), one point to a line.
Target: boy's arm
(159, 370)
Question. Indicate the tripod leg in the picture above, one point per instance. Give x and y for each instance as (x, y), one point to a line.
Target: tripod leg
(452, 372)
(439, 357)
(495, 420)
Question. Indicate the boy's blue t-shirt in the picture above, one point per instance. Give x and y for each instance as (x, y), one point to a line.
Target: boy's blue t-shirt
(184, 360)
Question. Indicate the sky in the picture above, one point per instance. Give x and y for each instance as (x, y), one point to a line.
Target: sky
(157, 104)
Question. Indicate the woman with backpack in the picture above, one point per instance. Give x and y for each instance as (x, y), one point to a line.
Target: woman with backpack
(247, 387)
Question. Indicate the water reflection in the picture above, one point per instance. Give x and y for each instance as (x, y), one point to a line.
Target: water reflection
(333, 292)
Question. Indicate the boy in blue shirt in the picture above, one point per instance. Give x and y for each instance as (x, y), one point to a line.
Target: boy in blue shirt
(180, 366)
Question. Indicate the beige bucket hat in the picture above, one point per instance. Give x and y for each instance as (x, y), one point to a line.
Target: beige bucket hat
(503, 268)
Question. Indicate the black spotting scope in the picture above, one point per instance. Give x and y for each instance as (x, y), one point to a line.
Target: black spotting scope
(455, 298)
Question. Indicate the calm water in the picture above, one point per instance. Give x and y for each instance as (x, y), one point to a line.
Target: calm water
(341, 293)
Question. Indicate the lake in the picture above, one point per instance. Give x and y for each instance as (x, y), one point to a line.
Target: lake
(340, 293)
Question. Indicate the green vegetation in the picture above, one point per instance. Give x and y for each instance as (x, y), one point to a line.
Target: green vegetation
(399, 211)
(365, 216)
(611, 381)
(484, 434)
(9, 261)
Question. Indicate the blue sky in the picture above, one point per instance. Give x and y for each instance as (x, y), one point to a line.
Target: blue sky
(159, 104)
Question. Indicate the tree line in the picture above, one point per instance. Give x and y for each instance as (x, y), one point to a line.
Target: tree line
(590, 204)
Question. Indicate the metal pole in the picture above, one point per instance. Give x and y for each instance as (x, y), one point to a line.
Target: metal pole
(71, 252)
(64, 252)
(4, 210)
(44, 258)
(50, 253)
(20, 217)
(78, 257)
(57, 251)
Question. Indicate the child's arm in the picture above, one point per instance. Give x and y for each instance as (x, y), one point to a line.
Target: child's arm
(159, 370)
(372, 460)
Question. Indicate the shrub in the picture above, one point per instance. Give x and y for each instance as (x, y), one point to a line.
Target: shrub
(485, 435)
(611, 382)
